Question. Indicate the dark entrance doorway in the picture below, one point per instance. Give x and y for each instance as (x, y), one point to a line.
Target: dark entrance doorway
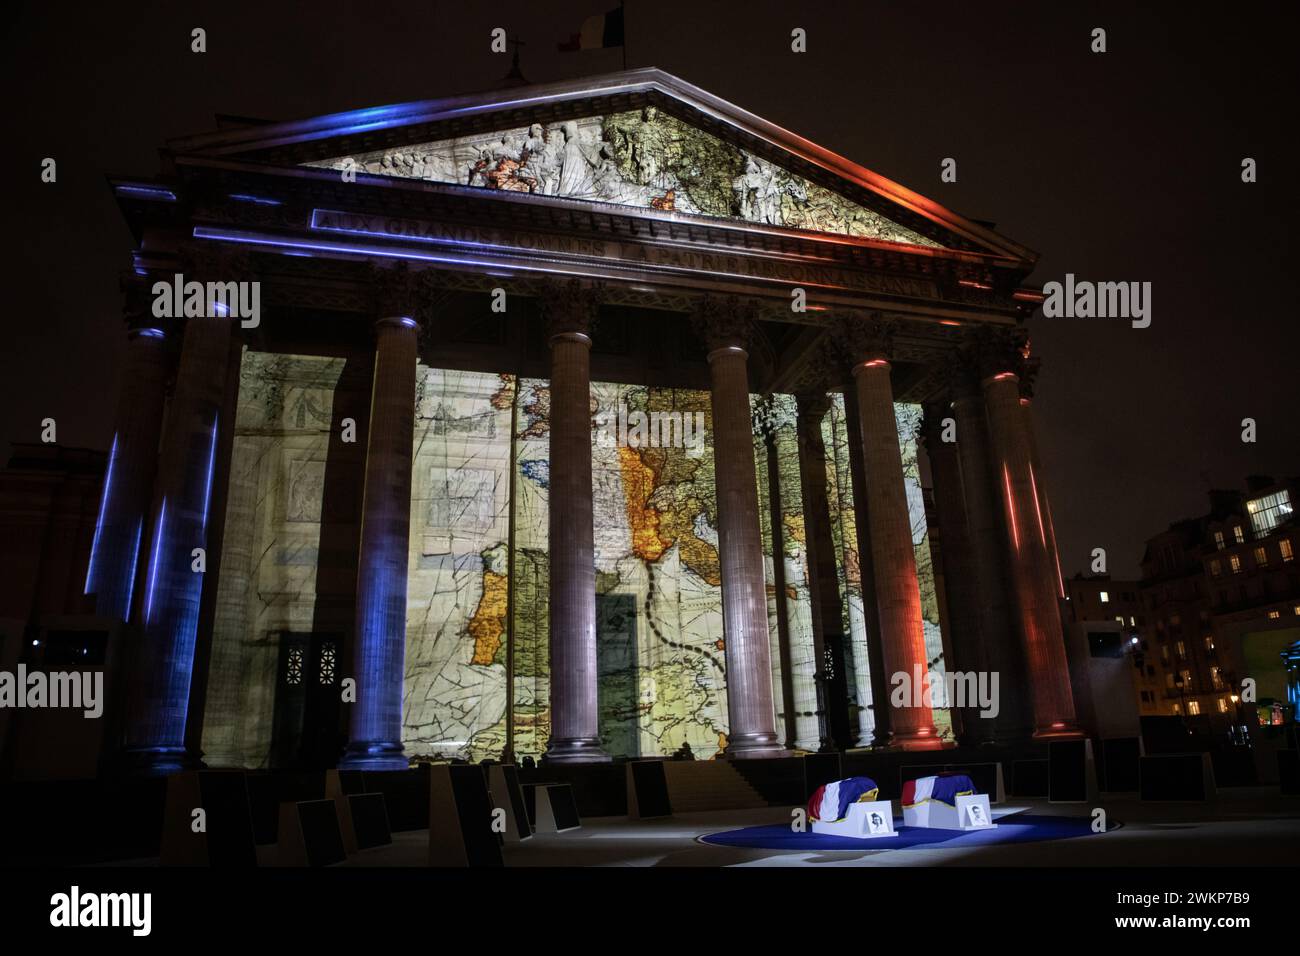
(305, 733)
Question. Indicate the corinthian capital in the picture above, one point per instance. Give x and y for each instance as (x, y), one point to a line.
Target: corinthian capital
(725, 321)
(397, 291)
(569, 305)
(863, 338)
(996, 350)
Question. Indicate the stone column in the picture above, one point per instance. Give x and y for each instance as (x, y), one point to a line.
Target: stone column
(1032, 573)
(161, 668)
(570, 311)
(958, 565)
(898, 592)
(873, 723)
(1026, 397)
(827, 606)
(984, 523)
(379, 637)
(724, 325)
(133, 459)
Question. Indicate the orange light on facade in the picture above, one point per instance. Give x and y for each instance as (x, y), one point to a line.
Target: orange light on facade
(1003, 375)
(1033, 483)
(876, 363)
(1011, 507)
(953, 322)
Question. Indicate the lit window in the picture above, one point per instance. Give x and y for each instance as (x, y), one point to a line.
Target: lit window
(1132, 621)
(1218, 540)
(1239, 533)
(1297, 610)
(1193, 706)
(1178, 709)
(1268, 512)
(1164, 653)
(1105, 597)
(1182, 651)
(1236, 564)
(1261, 557)
(1187, 680)
(1274, 615)
(1216, 676)
(1119, 618)
(1216, 568)
(1223, 705)
(1285, 547)
(1209, 642)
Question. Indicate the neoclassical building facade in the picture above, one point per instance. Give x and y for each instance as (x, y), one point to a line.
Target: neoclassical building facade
(358, 508)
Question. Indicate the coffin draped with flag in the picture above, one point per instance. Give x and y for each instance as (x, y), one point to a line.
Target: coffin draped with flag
(831, 801)
(945, 788)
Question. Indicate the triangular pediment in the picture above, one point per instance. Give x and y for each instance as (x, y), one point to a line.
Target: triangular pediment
(641, 138)
(644, 158)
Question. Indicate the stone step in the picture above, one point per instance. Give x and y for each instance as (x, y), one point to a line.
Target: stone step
(708, 785)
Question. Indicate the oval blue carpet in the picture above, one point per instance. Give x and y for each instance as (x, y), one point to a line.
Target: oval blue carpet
(1015, 828)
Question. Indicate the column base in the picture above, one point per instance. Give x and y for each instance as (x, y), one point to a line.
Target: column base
(157, 761)
(575, 750)
(1059, 731)
(755, 747)
(374, 755)
(916, 740)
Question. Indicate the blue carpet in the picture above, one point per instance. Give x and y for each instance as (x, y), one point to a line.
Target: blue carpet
(1015, 828)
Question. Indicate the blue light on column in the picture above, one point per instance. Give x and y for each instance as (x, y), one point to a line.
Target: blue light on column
(153, 561)
(212, 461)
(99, 525)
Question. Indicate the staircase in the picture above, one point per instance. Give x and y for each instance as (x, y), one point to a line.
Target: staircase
(696, 785)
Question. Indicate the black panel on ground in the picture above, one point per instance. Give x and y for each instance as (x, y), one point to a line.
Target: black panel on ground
(1029, 778)
(1068, 771)
(474, 810)
(563, 806)
(651, 785)
(321, 836)
(224, 797)
(1288, 772)
(1119, 764)
(406, 793)
(1173, 777)
(369, 820)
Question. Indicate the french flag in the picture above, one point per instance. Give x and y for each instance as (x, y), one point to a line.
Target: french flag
(945, 788)
(831, 801)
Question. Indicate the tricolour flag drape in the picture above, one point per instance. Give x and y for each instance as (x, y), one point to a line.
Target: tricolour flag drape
(831, 801)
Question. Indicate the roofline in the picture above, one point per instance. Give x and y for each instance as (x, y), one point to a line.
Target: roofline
(642, 80)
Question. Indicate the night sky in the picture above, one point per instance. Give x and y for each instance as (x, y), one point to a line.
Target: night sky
(1120, 166)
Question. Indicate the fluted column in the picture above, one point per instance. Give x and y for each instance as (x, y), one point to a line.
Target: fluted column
(724, 326)
(869, 670)
(958, 566)
(161, 667)
(570, 311)
(1032, 573)
(379, 637)
(1026, 397)
(898, 592)
(132, 460)
(827, 605)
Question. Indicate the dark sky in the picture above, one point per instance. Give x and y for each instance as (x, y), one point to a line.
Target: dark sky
(1120, 166)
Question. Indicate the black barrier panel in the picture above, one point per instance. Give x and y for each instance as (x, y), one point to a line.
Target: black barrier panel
(230, 825)
(321, 837)
(1288, 772)
(563, 807)
(474, 810)
(819, 770)
(369, 820)
(530, 802)
(651, 786)
(406, 794)
(352, 781)
(515, 796)
(266, 791)
(1029, 778)
(1173, 777)
(1067, 771)
(1119, 764)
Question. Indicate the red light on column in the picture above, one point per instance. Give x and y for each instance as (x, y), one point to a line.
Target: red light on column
(1011, 507)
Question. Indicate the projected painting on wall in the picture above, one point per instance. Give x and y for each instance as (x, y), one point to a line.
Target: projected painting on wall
(478, 583)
